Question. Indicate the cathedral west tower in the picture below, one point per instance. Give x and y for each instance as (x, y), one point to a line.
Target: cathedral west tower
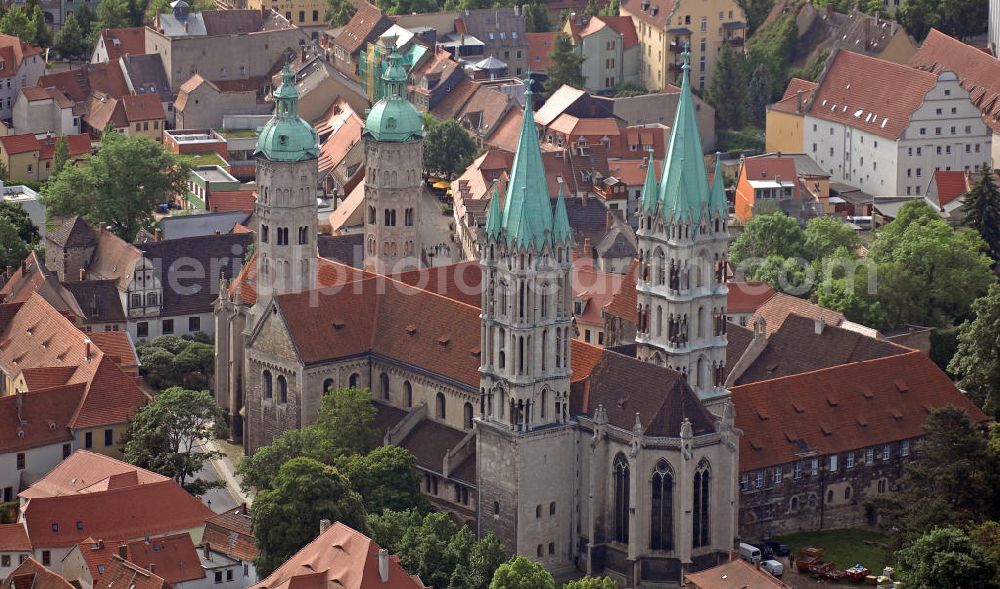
(683, 240)
(394, 148)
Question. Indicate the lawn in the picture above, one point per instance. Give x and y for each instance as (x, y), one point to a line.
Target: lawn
(844, 548)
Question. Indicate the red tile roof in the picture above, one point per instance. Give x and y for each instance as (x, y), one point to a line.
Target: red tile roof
(342, 557)
(234, 200)
(796, 84)
(507, 130)
(657, 12)
(540, 50)
(978, 72)
(112, 397)
(129, 512)
(14, 144)
(143, 107)
(172, 557)
(624, 26)
(88, 472)
(368, 22)
(14, 51)
(13, 538)
(131, 40)
(121, 574)
(45, 417)
(735, 574)
(633, 171)
(624, 303)
(747, 297)
(328, 274)
(30, 574)
(951, 184)
(79, 145)
(870, 94)
(117, 345)
(229, 532)
(595, 289)
(843, 408)
(769, 168)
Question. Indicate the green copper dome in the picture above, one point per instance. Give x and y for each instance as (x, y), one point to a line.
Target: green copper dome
(393, 118)
(287, 137)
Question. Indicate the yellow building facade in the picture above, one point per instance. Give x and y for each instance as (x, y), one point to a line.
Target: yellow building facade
(666, 27)
(783, 131)
(301, 13)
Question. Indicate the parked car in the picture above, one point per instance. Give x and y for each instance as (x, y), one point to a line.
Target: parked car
(774, 567)
(778, 548)
(766, 552)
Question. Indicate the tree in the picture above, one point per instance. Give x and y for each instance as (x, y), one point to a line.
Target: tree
(163, 7)
(120, 185)
(345, 418)
(987, 536)
(920, 260)
(339, 12)
(163, 434)
(521, 573)
(61, 156)
(756, 11)
(976, 363)
(760, 93)
(844, 295)
(424, 550)
(195, 363)
(18, 217)
(592, 583)
(385, 478)
(118, 14)
(13, 249)
(727, 90)
(772, 234)
(945, 558)
(592, 9)
(536, 18)
(388, 528)
(448, 148)
(286, 517)
(567, 65)
(825, 235)
(484, 559)
(42, 35)
(981, 210)
(85, 15)
(18, 22)
(259, 470)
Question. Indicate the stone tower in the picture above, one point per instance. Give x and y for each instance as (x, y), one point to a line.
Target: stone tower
(527, 324)
(683, 240)
(394, 147)
(287, 169)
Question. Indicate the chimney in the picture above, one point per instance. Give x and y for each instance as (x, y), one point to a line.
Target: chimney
(324, 525)
(86, 346)
(83, 274)
(123, 550)
(207, 551)
(819, 324)
(798, 101)
(383, 564)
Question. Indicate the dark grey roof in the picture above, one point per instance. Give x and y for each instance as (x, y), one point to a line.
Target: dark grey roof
(73, 233)
(202, 224)
(98, 299)
(145, 74)
(191, 267)
(346, 249)
(484, 22)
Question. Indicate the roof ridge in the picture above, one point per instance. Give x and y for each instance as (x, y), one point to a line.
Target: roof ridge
(908, 352)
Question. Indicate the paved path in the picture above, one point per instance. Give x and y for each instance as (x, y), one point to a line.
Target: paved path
(222, 469)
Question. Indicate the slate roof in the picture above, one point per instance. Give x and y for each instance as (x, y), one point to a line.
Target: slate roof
(75, 232)
(842, 408)
(978, 72)
(197, 295)
(98, 299)
(430, 441)
(346, 249)
(870, 94)
(145, 74)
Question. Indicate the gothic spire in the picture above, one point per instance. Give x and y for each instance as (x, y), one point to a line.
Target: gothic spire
(560, 220)
(683, 186)
(649, 190)
(717, 202)
(493, 219)
(527, 212)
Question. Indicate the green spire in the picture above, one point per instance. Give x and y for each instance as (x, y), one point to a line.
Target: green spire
(493, 219)
(650, 192)
(683, 186)
(527, 212)
(394, 119)
(287, 137)
(560, 220)
(717, 203)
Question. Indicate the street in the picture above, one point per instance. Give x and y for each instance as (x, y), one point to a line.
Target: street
(220, 499)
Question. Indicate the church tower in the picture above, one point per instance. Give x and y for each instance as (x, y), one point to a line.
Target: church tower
(527, 324)
(394, 150)
(683, 240)
(287, 169)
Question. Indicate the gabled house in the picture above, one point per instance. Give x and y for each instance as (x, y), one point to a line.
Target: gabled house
(113, 43)
(21, 65)
(364, 27)
(29, 158)
(610, 47)
(40, 110)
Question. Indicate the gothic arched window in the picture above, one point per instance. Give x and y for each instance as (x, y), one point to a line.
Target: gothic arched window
(543, 403)
(620, 477)
(282, 389)
(383, 381)
(439, 402)
(408, 393)
(327, 385)
(701, 530)
(352, 382)
(661, 515)
(267, 384)
(371, 215)
(468, 415)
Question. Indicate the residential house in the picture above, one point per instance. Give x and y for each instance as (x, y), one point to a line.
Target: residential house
(785, 118)
(204, 182)
(20, 65)
(185, 226)
(202, 104)
(735, 574)
(195, 142)
(660, 107)
(610, 49)
(42, 111)
(90, 497)
(773, 182)
(88, 85)
(96, 563)
(745, 298)
(320, 85)
(113, 43)
(15, 548)
(540, 47)
(230, 533)
(502, 33)
(31, 573)
(341, 154)
(309, 15)
(978, 73)
(341, 555)
(28, 158)
(144, 74)
(591, 291)
(364, 27)
(372, 63)
(825, 30)
(666, 27)
(946, 190)
(885, 127)
(994, 27)
(432, 80)
(242, 47)
(27, 199)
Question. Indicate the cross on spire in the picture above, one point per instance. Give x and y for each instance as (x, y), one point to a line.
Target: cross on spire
(686, 55)
(528, 83)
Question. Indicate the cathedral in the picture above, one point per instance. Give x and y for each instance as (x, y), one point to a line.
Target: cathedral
(578, 457)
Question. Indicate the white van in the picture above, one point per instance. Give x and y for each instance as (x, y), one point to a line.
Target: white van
(774, 567)
(749, 553)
